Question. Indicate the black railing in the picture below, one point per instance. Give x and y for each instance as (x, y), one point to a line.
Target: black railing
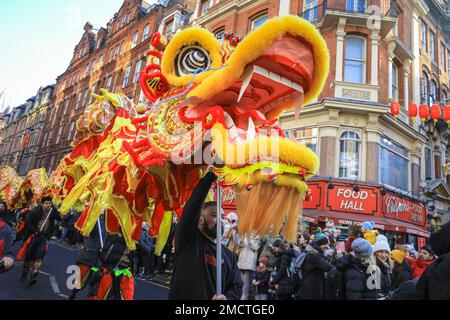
(370, 7)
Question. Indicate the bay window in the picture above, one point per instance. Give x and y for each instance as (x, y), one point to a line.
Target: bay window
(355, 60)
(394, 164)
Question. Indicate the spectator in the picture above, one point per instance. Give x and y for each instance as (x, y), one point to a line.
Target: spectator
(282, 276)
(194, 276)
(247, 262)
(418, 266)
(315, 265)
(6, 239)
(231, 236)
(435, 281)
(65, 225)
(382, 252)
(358, 271)
(261, 282)
(401, 271)
(267, 250)
(145, 253)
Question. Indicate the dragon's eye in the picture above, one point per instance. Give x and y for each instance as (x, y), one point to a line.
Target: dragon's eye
(190, 59)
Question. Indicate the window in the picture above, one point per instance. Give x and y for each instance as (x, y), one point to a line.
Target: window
(220, 33)
(259, 21)
(311, 10)
(356, 6)
(100, 61)
(116, 52)
(124, 20)
(108, 83)
(86, 71)
(126, 80)
(111, 52)
(428, 164)
(58, 137)
(433, 96)
(355, 60)
(349, 155)
(169, 27)
(71, 131)
(424, 86)
(432, 46)
(49, 137)
(93, 66)
(121, 48)
(442, 56)
(308, 137)
(66, 106)
(135, 40)
(205, 7)
(137, 71)
(91, 99)
(78, 100)
(86, 94)
(394, 83)
(448, 63)
(146, 32)
(424, 36)
(99, 42)
(393, 164)
(444, 98)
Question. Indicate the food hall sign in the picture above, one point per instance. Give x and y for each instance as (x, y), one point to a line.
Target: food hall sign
(345, 199)
(405, 210)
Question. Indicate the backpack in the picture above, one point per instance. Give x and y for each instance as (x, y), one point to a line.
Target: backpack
(298, 264)
(334, 285)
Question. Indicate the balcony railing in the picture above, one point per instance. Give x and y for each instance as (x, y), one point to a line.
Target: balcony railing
(314, 13)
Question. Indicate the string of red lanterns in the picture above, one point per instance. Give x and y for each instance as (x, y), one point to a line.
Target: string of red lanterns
(435, 112)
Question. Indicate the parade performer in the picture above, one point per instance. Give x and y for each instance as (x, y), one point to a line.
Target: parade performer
(219, 98)
(39, 227)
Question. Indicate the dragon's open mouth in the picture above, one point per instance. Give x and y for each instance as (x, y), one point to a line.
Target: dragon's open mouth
(276, 80)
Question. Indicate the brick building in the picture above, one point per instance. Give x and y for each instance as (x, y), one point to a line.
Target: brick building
(109, 58)
(22, 129)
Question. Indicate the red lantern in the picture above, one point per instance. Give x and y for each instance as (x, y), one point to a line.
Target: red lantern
(395, 109)
(447, 114)
(423, 112)
(412, 110)
(435, 113)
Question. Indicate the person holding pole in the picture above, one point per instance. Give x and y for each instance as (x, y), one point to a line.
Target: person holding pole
(197, 275)
(39, 227)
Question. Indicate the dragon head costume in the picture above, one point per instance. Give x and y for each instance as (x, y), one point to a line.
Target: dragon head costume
(211, 100)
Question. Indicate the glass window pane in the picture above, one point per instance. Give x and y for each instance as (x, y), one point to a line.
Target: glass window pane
(354, 71)
(393, 169)
(354, 48)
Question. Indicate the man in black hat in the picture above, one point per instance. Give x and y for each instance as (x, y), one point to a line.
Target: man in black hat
(39, 227)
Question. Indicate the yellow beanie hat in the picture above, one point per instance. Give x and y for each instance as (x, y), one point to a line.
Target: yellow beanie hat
(398, 256)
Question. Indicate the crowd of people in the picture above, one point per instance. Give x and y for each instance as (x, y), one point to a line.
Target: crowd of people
(322, 265)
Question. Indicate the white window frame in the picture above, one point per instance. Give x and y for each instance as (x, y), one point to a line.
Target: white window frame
(424, 35)
(394, 82)
(364, 61)
(258, 18)
(137, 71)
(205, 6)
(432, 45)
(126, 78)
(135, 40)
(358, 140)
(311, 10)
(146, 33)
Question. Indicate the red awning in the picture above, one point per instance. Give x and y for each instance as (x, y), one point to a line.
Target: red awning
(381, 223)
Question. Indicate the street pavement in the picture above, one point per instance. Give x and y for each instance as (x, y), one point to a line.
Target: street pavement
(53, 277)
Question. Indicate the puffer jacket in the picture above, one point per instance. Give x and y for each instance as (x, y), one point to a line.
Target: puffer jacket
(406, 291)
(355, 279)
(401, 274)
(418, 266)
(248, 253)
(386, 282)
(283, 277)
(312, 287)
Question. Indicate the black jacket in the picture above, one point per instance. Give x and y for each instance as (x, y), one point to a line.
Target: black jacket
(386, 281)
(264, 279)
(33, 219)
(92, 246)
(406, 291)
(400, 274)
(312, 287)
(283, 277)
(434, 284)
(194, 276)
(355, 279)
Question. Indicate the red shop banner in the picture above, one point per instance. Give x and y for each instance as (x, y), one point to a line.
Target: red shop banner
(316, 196)
(397, 208)
(345, 199)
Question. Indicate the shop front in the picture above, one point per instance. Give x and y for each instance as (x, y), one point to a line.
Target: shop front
(401, 219)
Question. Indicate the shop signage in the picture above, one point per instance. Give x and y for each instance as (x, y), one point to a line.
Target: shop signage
(316, 197)
(395, 207)
(345, 199)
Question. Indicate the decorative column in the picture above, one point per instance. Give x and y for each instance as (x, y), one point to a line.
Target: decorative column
(285, 7)
(406, 71)
(391, 47)
(340, 34)
(375, 38)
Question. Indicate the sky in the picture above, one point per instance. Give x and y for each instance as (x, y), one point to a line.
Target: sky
(37, 39)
